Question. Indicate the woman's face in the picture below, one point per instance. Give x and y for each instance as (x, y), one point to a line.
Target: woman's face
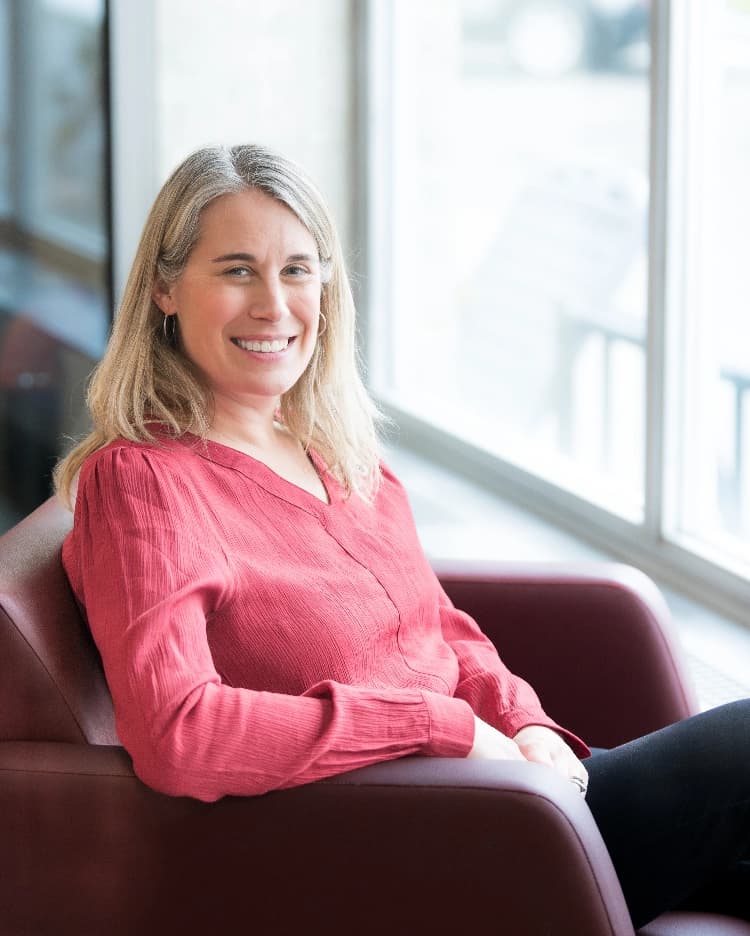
(248, 300)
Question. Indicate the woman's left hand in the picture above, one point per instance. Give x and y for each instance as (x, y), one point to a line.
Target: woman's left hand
(544, 746)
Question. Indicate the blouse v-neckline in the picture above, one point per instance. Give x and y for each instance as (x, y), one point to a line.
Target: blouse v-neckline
(267, 478)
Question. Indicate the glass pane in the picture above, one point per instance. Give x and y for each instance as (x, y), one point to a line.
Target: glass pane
(54, 248)
(520, 216)
(713, 147)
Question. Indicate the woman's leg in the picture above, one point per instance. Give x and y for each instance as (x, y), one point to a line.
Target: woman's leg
(674, 810)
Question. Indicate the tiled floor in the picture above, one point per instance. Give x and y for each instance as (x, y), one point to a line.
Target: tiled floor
(457, 519)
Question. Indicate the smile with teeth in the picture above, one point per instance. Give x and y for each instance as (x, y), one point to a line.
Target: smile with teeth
(280, 344)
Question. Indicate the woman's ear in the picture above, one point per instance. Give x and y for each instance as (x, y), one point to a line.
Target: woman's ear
(162, 296)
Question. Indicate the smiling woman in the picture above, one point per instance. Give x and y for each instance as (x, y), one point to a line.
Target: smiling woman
(252, 575)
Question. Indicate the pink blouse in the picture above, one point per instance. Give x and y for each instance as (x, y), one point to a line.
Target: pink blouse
(254, 637)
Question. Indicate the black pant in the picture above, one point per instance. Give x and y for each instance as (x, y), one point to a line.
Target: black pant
(674, 810)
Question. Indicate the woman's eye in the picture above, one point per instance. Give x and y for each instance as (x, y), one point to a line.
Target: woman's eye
(238, 271)
(296, 269)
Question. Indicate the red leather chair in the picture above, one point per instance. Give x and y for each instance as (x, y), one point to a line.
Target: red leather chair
(419, 845)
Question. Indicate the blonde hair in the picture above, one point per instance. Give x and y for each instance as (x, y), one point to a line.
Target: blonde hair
(144, 378)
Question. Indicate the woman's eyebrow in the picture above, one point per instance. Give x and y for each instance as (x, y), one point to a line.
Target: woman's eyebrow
(250, 258)
(234, 256)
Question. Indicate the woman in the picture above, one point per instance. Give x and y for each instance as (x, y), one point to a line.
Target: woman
(251, 572)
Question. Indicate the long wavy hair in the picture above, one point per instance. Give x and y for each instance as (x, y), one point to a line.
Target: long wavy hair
(145, 379)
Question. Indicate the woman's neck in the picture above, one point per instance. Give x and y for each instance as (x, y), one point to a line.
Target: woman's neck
(250, 428)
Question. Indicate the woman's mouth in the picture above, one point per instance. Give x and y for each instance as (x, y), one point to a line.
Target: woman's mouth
(264, 346)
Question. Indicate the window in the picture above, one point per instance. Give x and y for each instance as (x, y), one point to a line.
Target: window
(710, 244)
(54, 243)
(557, 196)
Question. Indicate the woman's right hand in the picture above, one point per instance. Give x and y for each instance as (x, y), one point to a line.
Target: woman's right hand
(491, 744)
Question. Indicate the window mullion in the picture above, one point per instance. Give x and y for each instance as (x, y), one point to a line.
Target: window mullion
(378, 145)
(132, 38)
(656, 345)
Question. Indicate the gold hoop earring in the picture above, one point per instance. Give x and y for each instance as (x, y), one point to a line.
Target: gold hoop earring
(325, 325)
(169, 333)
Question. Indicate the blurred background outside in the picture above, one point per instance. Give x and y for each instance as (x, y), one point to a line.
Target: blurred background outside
(521, 180)
(54, 242)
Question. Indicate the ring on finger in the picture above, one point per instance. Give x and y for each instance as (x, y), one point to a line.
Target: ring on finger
(582, 784)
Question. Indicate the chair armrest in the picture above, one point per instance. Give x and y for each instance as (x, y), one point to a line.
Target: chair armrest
(416, 845)
(595, 640)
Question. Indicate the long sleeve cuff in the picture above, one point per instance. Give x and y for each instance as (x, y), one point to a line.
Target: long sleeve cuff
(451, 725)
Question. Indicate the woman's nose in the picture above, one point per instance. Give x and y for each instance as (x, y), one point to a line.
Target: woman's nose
(269, 301)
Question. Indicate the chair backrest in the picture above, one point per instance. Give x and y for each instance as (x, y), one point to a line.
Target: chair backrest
(52, 686)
